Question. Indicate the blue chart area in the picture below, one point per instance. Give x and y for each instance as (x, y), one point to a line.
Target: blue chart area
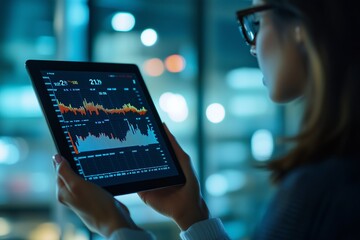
(133, 137)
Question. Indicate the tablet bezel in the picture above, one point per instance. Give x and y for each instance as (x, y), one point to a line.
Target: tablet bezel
(34, 68)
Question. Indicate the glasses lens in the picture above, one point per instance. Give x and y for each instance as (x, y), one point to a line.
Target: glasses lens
(251, 26)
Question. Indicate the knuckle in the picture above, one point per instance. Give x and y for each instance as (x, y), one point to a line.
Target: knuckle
(60, 198)
(75, 188)
(186, 157)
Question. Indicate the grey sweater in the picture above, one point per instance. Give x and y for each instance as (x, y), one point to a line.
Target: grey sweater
(316, 201)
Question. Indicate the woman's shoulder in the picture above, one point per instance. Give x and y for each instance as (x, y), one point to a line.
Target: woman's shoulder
(329, 172)
(316, 201)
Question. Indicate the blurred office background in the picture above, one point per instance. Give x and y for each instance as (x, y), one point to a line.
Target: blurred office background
(204, 82)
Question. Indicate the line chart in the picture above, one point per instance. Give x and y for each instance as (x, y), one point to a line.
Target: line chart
(92, 108)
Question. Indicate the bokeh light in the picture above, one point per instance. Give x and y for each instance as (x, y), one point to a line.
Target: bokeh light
(175, 63)
(45, 231)
(5, 227)
(19, 102)
(154, 67)
(262, 145)
(216, 184)
(249, 105)
(215, 113)
(123, 22)
(149, 37)
(9, 151)
(225, 181)
(245, 78)
(175, 106)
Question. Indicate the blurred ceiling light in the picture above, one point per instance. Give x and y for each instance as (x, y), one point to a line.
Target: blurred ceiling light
(78, 13)
(175, 63)
(164, 101)
(226, 181)
(154, 67)
(5, 227)
(123, 22)
(45, 231)
(236, 179)
(19, 102)
(249, 105)
(74, 233)
(148, 37)
(175, 106)
(9, 151)
(216, 184)
(262, 145)
(245, 78)
(215, 113)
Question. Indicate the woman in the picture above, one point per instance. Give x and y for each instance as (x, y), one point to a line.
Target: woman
(305, 49)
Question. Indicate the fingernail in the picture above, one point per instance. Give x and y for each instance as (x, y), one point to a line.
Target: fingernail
(57, 158)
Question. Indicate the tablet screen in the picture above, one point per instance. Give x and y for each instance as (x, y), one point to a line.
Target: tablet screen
(110, 127)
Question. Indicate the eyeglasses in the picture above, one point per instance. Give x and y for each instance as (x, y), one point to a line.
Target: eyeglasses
(249, 22)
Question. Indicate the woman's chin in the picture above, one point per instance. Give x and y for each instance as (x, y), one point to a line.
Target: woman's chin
(264, 82)
(282, 98)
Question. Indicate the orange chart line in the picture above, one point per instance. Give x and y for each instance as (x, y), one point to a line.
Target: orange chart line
(73, 144)
(91, 108)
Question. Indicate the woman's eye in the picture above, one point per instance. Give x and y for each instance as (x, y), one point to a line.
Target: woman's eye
(255, 20)
(256, 23)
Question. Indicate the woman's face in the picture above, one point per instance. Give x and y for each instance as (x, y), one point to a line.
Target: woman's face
(280, 58)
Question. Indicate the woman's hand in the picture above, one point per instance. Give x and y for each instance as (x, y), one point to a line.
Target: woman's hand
(97, 208)
(184, 204)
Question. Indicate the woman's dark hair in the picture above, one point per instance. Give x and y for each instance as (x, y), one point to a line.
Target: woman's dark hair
(331, 120)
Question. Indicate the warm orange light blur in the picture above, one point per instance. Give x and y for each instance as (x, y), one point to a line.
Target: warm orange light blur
(175, 63)
(154, 67)
(45, 231)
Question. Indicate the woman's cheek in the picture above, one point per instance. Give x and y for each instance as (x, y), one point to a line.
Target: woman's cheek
(265, 62)
(269, 56)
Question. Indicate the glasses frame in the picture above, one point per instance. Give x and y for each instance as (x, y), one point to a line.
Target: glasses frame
(241, 14)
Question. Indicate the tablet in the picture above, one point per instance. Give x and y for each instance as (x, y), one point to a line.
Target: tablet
(103, 120)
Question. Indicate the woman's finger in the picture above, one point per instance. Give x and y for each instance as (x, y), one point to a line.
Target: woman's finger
(65, 172)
